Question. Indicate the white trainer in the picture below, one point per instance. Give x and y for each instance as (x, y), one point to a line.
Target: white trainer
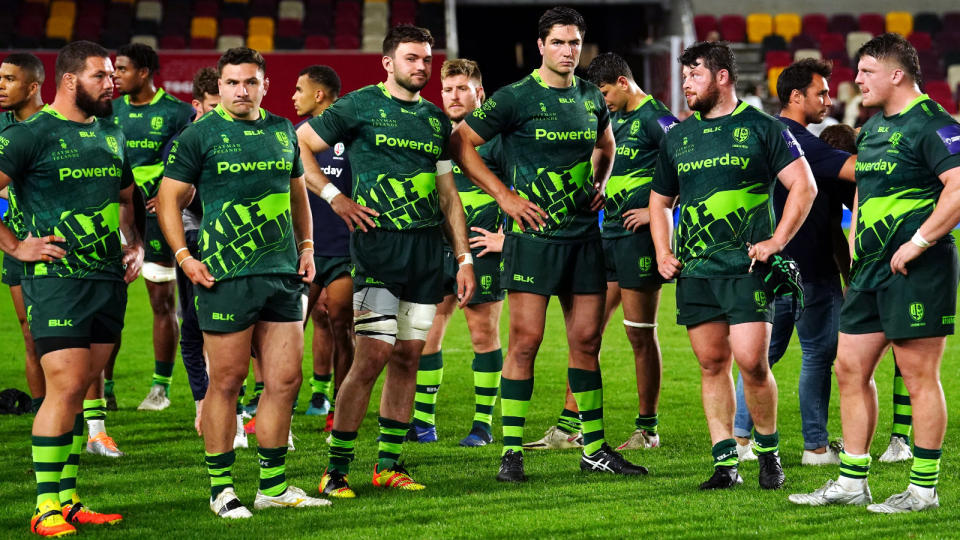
(745, 452)
(156, 400)
(227, 505)
(898, 450)
(833, 493)
(830, 457)
(914, 499)
(292, 497)
(556, 439)
(641, 438)
(240, 438)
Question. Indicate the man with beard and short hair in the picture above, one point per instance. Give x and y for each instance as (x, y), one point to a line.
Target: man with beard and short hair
(405, 194)
(75, 189)
(149, 118)
(720, 166)
(21, 77)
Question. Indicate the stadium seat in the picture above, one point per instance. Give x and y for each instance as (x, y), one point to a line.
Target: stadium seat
(800, 54)
(149, 10)
(772, 75)
(874, 23)
(262, 26)
(900, 22)
(842, 23)
(260, 42)
(316, 42)
(232, 27)
(230, 42)
(405, 12)
(786, 25)
(149, 41)
(346, 41)
(953, 75)
(733, 28)
(63, 8)
(778, 59)
(951, 20)
(841, 74)
(263, 8)
(146, 27)
(814, 25)
(203, 27)
(289, 28)
(60, 28)
(702, 25)
(759, 25)
(290, 9)
(371, 44)
(921, 41)
(855, 40)
(832, 42)
(930, 66)
(173, 42)
(927, 22)
(773, 42)
(202, 43)
(940, 91)
(802, 41)
(206, 8)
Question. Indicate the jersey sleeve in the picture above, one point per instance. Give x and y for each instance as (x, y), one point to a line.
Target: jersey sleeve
(337, 123)
(665, 181)
(447, 131)
(18, 148)
(782, 147)
(497, 115)
(656, 127)
(939, 145)
(492, 155)
(603, 115)
(185, 161)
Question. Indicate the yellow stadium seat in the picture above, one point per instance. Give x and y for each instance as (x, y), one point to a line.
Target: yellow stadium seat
(900, 22)
(772, 75)
(787, 25)
(63, 8)
(260, 43)
(759, 26)
(203, 27)
(60, 27)
(260, 26)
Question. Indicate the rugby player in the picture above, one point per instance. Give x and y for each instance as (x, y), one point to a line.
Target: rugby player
(21, 77)
(256, 254)
(403, 190)
(904, 274)
(556, 134)
(74, 186)
(462, 92)
(149, 118)
(720, 166)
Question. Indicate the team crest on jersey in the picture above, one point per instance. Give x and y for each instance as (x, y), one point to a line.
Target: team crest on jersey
(543, 108)
(112, 144)
(435, 123)
(338, 149)
(156, 123)
(383, 113)
(741, 134)
(224, 138)
(634, 127)
(282, 138)
(916, 311)
(590, 106)
(895, 138)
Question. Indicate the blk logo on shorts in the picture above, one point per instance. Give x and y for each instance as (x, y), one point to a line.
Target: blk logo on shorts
(222, 316)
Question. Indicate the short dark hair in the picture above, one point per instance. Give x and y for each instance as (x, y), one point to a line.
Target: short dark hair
(563, 16)
(405, 33)
(606, 68)
(72, 58)
(895, 47)
(325, 76)
(461, 66)
(205, 82)
(28, 63)
(799, 76)
(143, 56)
(841, 137)
(716, 55)
(241, 55)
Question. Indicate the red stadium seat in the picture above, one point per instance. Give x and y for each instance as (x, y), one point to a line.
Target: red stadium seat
(289, 27)
(838, 58)
(940, 92)
(778, 59)
(927, 22)
(831, 43)
(233, 27)
(842, 23)
(317, 42)
(951, 20)
(203, 43)
(803, 41)
(733, 28)
(346, 41)
(930, 66)
(814, 25)
(840, 75)
(173, 42)
(921, 41)
(206, 8)
(704, 24)
(874, 23)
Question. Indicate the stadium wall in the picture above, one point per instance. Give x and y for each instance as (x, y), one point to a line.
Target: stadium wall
(720, 7)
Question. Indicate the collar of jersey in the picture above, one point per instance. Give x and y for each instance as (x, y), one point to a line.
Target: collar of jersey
(742, 106)
(156, 97)
(536, 77)
(383, 88)
(643, 102)
(226, 116)
(910, 105)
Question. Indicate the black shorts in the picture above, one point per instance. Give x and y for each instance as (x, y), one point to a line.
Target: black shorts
(632, 262)
(74, 313)
(236, 304)
(330, 268)
(552, 268)
(407, 263)
(486, 272)
(735, 300)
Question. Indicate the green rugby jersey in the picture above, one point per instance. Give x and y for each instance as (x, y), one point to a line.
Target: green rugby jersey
(68, 176)
(899, 159)
(148, 128)
(13, 219)
(723, 170)
(242, 170)
(548, 136)
(638, 133)
(481, 209)
(393, 147)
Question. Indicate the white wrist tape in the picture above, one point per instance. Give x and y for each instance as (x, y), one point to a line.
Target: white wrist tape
(444, 166)
(467, 259)
(919, 241)
(328, 192)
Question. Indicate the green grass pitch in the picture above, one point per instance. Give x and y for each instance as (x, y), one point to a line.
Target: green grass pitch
(161, 486)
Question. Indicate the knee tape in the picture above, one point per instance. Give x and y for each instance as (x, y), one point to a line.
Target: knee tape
(632, 324)
(376, 326)
(414, 320)
(158, 273)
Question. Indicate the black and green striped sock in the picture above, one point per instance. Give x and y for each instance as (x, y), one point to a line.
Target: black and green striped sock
(926, 467)
(163, 374)
(569, 422)
(219, 467)
(902, 409)
(341, 450)
(95, 409)
(486, 381)
(764, 444)
(392, 433)
(514, 402)
(429, 376)
(50, 454)
(647, 423)
(108, 387)
(587, 388)
(68, 477)
(273, 470)
(725, 453)
(320, 384)
(857, 467)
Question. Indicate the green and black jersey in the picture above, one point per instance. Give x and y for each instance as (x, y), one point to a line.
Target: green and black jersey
(899, 160)
(13, 218)
(242, 170)
(68, 176)
(723, 171)
(148, 128)
(548, 136)
(393, 146)
(638, 134)
(481, 209)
